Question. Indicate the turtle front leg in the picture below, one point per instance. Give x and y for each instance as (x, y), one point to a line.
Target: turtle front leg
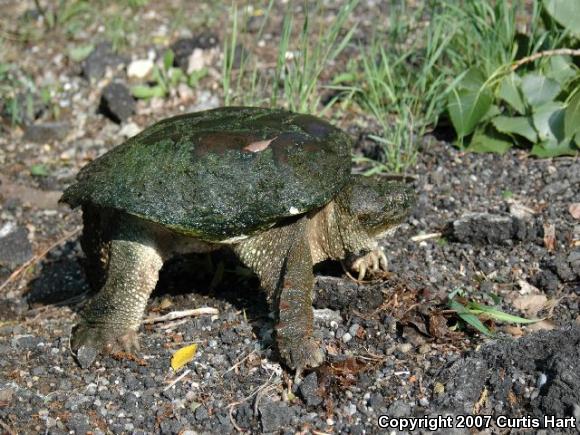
(110, 321)
(297, 346)
(282, 260)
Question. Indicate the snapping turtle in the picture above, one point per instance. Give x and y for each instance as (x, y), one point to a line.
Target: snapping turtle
(272, 185)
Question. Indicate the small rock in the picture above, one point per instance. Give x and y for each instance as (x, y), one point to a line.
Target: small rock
(486, 228)
(204, 101)
(274, 415)
(6, 395)
(197, 61)
(244, 415)
(547, 281)
(574, 260)
(140, 68)
(201, 413)
(79, 423)
(327, 315)
(353, 330)
(47, 132)
(564, 268)
(183, 48)
(404, 347)
(86, 356)
(185, 92)
(129, 130)
(101, 58)
(117, 103)
(309, 390)
(15, 248)
(346, 337)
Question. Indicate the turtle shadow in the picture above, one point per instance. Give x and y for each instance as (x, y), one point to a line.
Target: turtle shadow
(190, 280)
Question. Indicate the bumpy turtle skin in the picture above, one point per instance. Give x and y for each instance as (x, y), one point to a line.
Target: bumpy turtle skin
(111, 318)
(281, 258)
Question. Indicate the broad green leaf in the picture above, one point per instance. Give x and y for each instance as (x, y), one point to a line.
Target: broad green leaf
(553, 149)
(39, 170)
(492, 112)
(182, 356)
(549, 122)
(466, 108)
(510, 92)
(80, 52)
(473, 80)
(168, 59)
(520, 125)
(572, 117)
(143, 91)
(498, 315)
(467, 317)
(487, 142)
(566, 13)
(538, 89)
(560, 69)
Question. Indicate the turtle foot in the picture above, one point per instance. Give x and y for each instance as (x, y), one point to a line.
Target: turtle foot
(374, 261)
(302, 354)
(87, 341)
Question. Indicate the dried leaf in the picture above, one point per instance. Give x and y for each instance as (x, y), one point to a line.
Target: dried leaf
(526, 288)
(514, 331)
(438, 326)
(542, 325)
(182, 356)
(530, 304)
(550, 237)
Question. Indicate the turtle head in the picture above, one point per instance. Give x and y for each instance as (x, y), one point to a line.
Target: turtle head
(379, 205)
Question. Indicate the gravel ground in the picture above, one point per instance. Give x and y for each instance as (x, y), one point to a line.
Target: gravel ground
(501, 230)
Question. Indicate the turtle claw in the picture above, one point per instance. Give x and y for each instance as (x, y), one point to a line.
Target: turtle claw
(374, 261)
(88, 341)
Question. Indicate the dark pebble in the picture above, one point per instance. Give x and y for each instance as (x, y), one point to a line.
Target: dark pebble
(182, 48)
(48, 132)
(201, 413)
(274, 415)
(86, 356)
(28, 342)
(309, 390)
(95, 65)
(117, 103)
(481, 228)
(79, 423)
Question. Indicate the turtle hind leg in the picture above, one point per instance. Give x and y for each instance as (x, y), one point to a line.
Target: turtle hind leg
(111, 319)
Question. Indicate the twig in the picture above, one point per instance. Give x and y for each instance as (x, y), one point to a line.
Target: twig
(236, 365)
(176, 380)
(233, 405)
(38, 257)
(181, 314)
(422, 237)
(547, 53)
